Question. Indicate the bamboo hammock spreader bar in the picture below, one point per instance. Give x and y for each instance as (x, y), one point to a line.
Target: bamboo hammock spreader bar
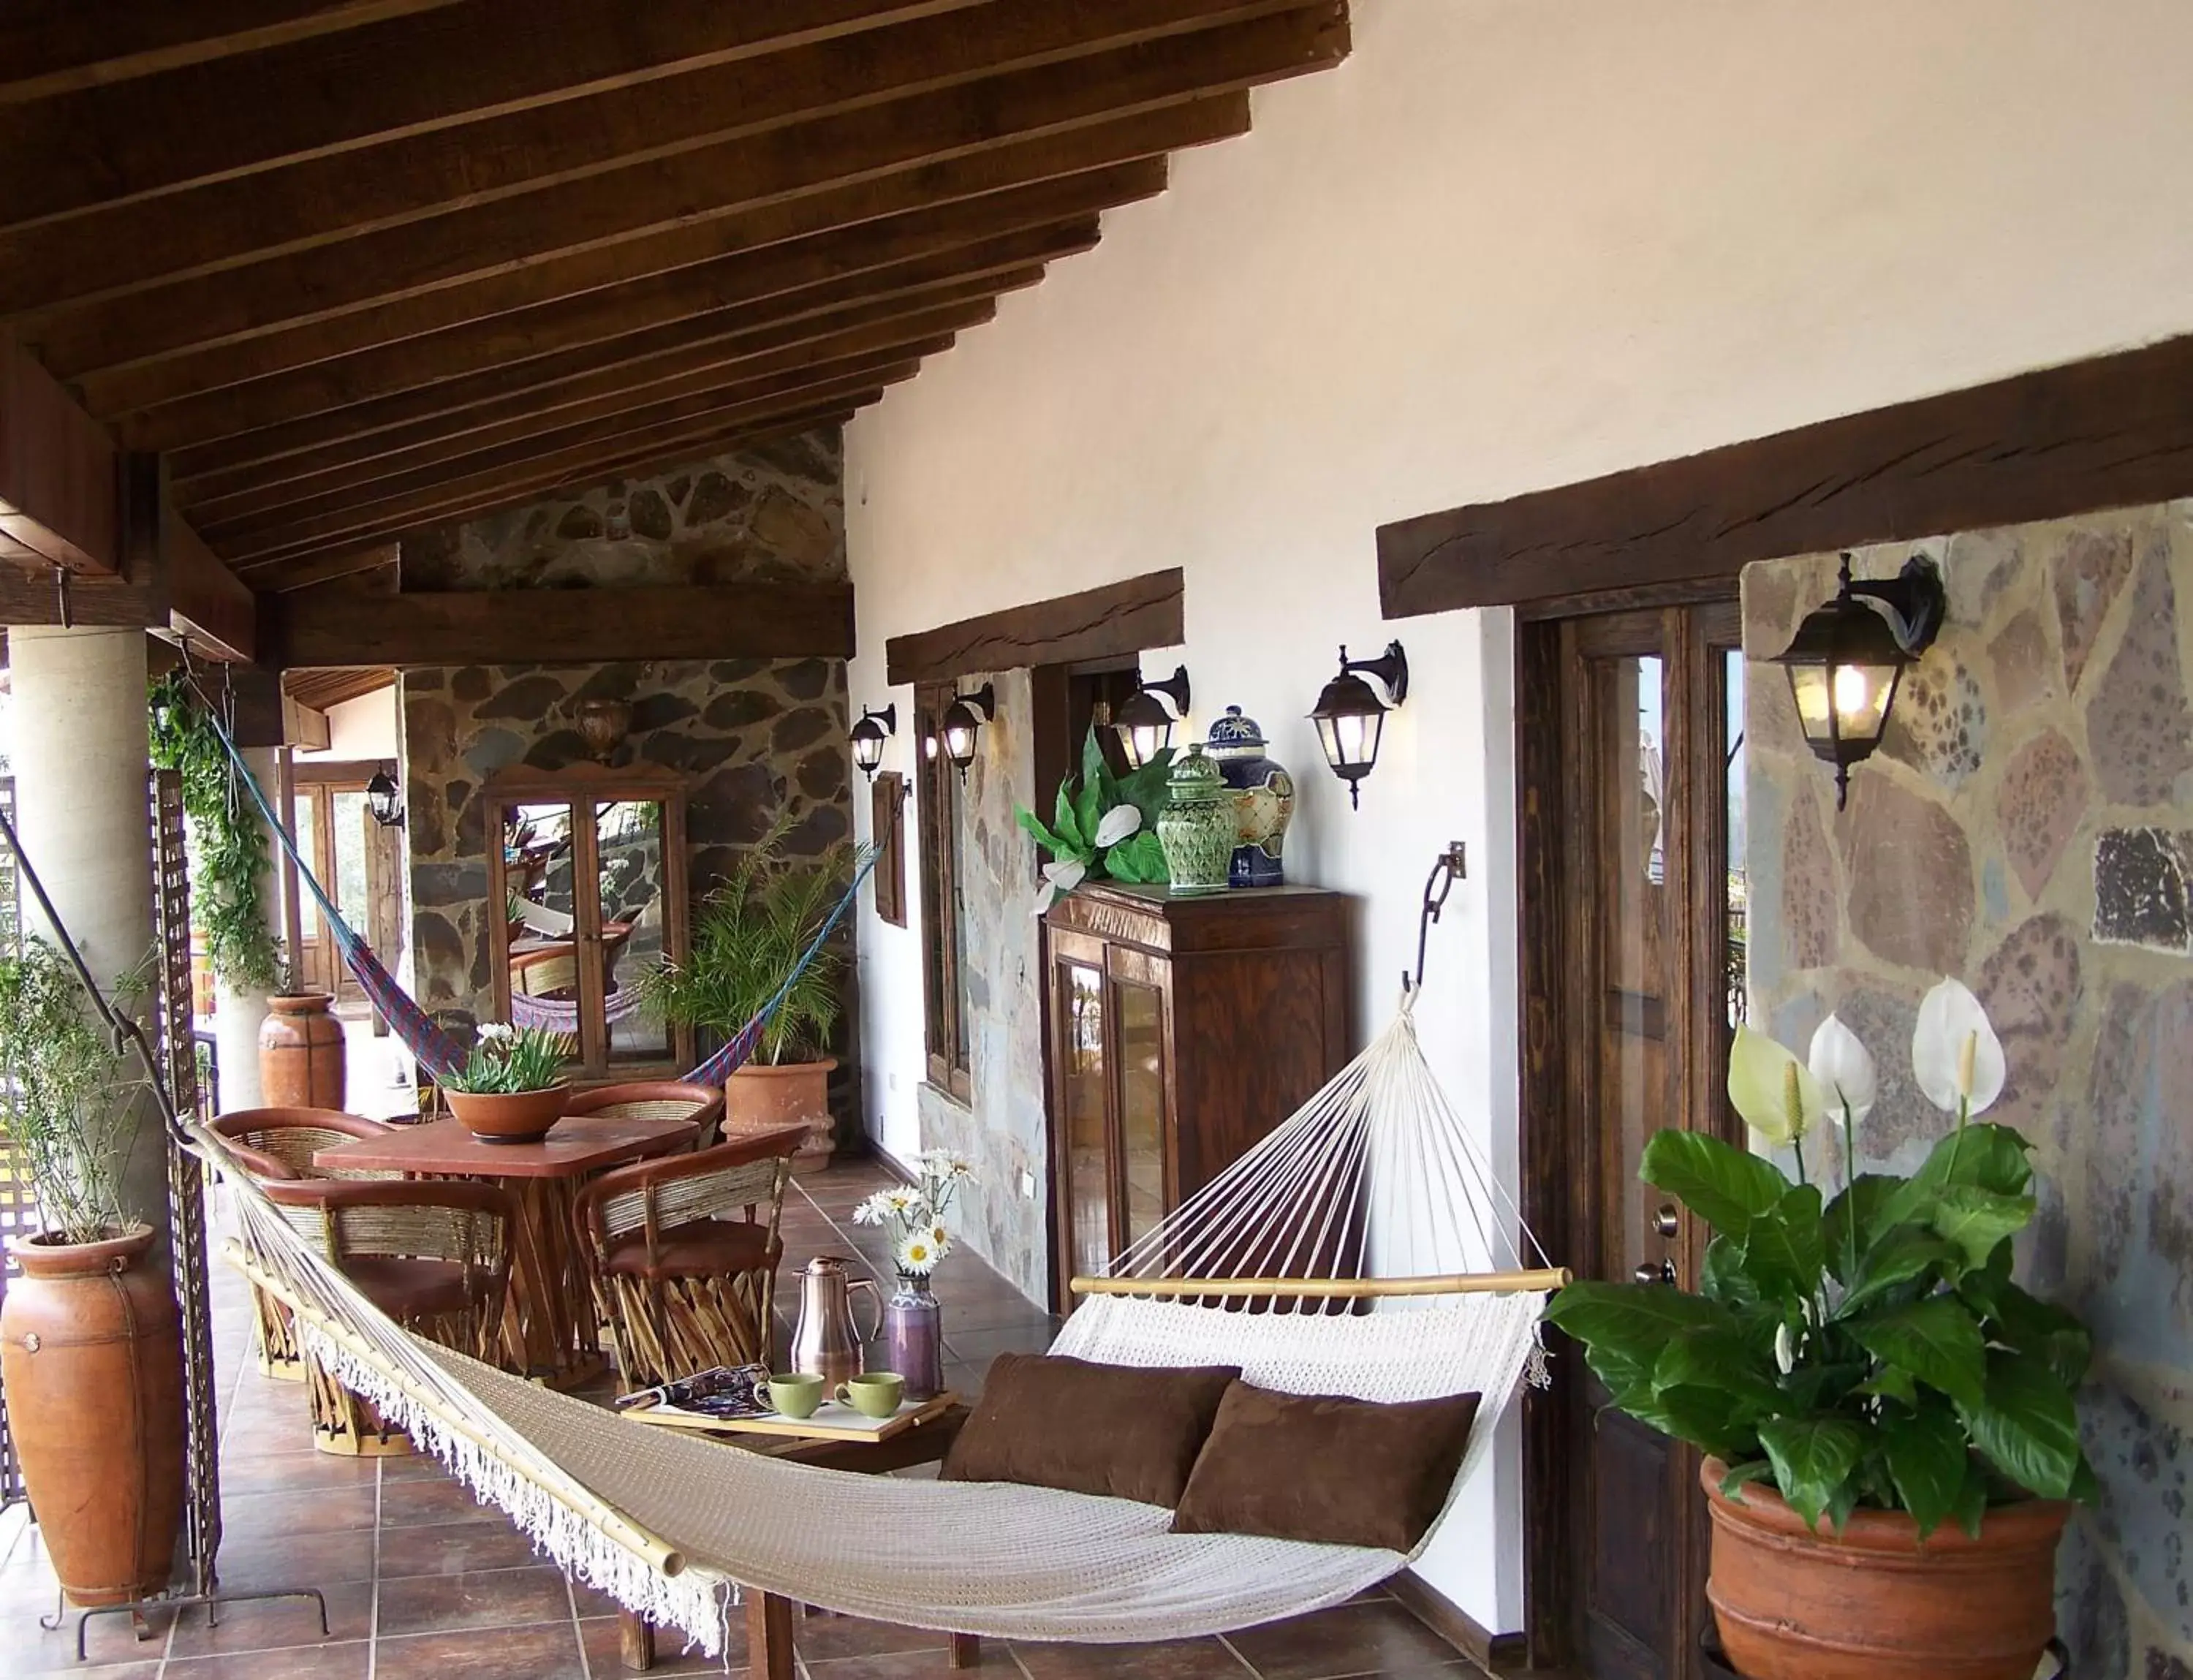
(1332, 1289)
(657, 1553)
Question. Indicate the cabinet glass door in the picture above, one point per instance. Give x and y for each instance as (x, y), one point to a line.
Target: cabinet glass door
(628, 858)
(1140, 1025)
(540, 873)
(1083, 1076)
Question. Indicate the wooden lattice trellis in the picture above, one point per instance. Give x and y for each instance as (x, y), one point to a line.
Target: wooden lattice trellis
(18, 1212)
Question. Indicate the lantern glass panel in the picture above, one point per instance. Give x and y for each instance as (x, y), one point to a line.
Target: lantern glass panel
(1350, 739)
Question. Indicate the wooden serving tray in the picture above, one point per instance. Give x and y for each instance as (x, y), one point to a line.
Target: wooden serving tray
(831, 1421)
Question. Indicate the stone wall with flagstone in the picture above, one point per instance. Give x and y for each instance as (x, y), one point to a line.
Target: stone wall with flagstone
(2027, 827)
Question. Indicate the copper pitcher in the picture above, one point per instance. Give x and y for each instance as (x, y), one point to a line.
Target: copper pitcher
(828, 1342)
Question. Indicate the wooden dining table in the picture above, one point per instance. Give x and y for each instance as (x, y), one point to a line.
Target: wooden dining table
(549, 1328)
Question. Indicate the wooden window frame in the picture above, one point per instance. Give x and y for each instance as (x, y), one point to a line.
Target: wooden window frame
(943, 908)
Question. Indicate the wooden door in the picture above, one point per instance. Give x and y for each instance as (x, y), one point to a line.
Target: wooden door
(1632, 754)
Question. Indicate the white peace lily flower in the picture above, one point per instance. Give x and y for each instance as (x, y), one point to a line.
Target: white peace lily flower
(1955, 1053)
(1844, 1067)
(1774, 1092)
(1061, 875)
(1120, 823)
(1785, 1350)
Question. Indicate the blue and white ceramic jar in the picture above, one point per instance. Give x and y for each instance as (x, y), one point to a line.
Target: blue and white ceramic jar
(1263, 796)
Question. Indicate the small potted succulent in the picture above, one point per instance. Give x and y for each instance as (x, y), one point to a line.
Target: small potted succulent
(1887, 1416)
(511, 1088)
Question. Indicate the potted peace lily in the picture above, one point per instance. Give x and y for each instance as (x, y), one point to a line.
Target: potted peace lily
(1886, 1415)
(912, 1337)
(1102, 826)
(511, 1088)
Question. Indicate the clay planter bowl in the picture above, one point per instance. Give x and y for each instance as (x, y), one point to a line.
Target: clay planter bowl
(508, 1117)
(1873, 1603)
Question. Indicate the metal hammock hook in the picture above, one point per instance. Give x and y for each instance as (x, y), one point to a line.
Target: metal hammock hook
(1450, 867)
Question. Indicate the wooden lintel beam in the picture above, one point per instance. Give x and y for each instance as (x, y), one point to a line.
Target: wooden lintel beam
(274, 570)
(59, 481)
(212, 608)
(303, 477)
(625, 287)
(222, 224)
(30, 596)
(1112, 619)
(365, 428)
(327, 568)
(753, 172)
(564, 626)
(232, 116)
(2111, 432)
(493, 470)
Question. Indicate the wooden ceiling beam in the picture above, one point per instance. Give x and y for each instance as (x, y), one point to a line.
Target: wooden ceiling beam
(753, 173)
(933, 246)
(60, 479)
(772, 620)
(51, 47)
(254, 490)
(327, 568)
(121, 249)
(276, 573)
(228, 463)
(232, 116)
(495, 470)
(212, 608)
(237, 517)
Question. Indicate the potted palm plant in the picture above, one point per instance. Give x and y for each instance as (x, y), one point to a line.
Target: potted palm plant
(511, 1088)
(1888, 1417)
(90, 1338)
(748, 938)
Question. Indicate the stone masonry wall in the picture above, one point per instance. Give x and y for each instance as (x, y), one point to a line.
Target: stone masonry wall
(2027, 827)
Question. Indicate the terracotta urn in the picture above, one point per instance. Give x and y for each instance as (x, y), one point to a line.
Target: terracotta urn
(302, 1060)
(1874, 1602)
(91, 1356)
(508, 1116)
(765, 1096)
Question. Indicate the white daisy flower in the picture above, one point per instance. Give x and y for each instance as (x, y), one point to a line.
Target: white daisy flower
(917, 1253)
(874, 1210)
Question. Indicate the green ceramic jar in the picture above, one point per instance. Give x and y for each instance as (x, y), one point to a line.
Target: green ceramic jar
(1197, 827)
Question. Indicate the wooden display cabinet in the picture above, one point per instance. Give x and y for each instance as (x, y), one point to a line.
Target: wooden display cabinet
(1178, 1032)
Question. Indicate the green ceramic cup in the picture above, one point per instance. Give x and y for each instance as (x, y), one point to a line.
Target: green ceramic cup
(875, 1394)
(795, 1394)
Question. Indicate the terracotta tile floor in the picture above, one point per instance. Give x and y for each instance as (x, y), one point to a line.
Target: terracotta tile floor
(422, 1584)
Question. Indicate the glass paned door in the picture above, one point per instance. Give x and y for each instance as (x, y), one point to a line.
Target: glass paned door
(1083, 1076)
(628, 860)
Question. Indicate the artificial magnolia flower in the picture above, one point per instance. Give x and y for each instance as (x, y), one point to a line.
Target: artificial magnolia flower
(1774, 1092)
(1955, 1053)
(1061, 875)
(1843, 1067)
(1785, 1350)
(1120, 822)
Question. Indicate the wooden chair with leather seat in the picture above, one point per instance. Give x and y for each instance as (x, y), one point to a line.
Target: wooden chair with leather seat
(656, 1099)
(685, 1285)
(432, 1254)
(279, 1143)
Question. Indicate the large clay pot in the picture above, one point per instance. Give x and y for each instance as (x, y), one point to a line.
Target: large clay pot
(91, 1354)
(765, 1096)
(1873, 1603)
(302, 1062)
(511, 1117)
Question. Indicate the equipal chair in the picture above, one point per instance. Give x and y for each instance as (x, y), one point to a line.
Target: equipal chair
(686, 1285)
(279, 1144)
(433, 1255)
(656, 1099)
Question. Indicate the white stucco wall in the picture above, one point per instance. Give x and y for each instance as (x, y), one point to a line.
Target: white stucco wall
(363, 728)
(1510, 243)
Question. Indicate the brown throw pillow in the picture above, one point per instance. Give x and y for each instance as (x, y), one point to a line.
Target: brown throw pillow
(1322, 1467)
(1128, 1431)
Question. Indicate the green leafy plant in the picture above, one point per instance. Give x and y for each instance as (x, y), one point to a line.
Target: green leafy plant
(1869, 1349)
(230, 857)
(506, 1060)
(66, 1094)
(1102, 825)
(749, 936)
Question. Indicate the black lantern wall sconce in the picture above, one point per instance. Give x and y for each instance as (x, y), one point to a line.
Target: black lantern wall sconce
(1350, 716)
(965, 716)
(1144, 724)
(1848, 660)
(869, 735)
(384, 800)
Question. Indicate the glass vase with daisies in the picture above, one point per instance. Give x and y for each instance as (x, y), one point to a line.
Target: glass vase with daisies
(511, 1088)
(913, 1215)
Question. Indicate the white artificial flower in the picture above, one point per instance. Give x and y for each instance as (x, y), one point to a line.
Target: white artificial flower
(898, 1199)
(874, 1210)
(1785, 1350)
(491, 1032)
(1061, 875)
(1955, 1053)
(1844, 1067)
(1774, 1092)
(1120, 823)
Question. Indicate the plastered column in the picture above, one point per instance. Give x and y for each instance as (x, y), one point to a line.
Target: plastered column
(81, 799)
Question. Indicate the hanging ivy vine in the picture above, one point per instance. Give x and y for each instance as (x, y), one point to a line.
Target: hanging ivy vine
(230, 857)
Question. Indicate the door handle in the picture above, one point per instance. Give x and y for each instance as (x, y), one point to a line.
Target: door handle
(1667, 1221)
(1664, 1272)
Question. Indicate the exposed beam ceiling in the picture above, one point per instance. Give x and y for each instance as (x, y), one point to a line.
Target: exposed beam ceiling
(359, 267)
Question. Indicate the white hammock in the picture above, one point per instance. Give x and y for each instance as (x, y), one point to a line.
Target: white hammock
(665, 1523)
